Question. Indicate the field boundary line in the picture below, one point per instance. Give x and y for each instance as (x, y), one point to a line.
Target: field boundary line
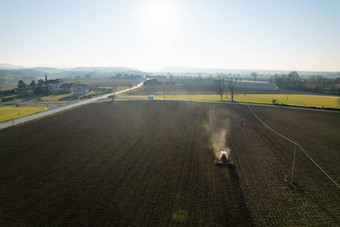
(270, 127)
(318, 166)
(296, 144)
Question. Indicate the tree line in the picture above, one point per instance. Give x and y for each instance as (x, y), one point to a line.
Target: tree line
(225, 84)
(33, 87)
(317, 84)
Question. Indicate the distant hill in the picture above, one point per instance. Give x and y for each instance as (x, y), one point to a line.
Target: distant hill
(15, 73)
(95, 72)
(103, 69)
(174, 69)
(48, 69)
(9, 66)
(22, 74)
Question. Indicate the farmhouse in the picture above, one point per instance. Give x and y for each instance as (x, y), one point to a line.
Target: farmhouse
(52, 85)
(66, 88)
(57, 86)
(80, 89)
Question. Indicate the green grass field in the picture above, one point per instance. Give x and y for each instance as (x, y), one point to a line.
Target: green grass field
(319, 101)
(8, 113)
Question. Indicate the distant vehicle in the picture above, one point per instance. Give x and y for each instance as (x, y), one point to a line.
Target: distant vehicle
(150, 97)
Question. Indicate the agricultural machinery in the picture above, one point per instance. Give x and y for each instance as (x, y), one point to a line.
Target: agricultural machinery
(223, 161)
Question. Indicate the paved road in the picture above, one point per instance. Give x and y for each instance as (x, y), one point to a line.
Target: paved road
(53, 111)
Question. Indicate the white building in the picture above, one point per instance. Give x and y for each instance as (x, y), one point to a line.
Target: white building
(54, 85)
(80, 89)
(66, 88)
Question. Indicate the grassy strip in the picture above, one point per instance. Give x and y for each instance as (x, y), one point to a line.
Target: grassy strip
(53, 97)
(12, 112)
(318, 101)
(117, 88)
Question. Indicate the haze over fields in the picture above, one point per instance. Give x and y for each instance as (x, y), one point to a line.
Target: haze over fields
(150, 35)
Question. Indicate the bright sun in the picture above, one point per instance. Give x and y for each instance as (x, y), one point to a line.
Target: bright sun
(159, 21)
(159, 15)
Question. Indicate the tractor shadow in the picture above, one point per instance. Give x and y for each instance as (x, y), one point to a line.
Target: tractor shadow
(233, 172)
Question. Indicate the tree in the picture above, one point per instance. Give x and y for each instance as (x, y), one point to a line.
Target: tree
(22, 87)
(254, 74)
(292, 80)
(231, 86)
(225, 88)
(1, 95)
(319, 84)
(39, 87)
(33, 85)
(219, 86)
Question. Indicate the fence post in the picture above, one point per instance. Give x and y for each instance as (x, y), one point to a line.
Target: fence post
(292, 177)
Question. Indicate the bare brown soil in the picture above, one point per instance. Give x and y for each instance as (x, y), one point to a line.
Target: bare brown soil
(134, 163)
(151, 163)
(264, 163)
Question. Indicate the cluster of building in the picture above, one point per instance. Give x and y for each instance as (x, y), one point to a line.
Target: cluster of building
(57, 86)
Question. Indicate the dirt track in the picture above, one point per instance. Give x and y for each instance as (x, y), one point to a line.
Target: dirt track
(138, 163)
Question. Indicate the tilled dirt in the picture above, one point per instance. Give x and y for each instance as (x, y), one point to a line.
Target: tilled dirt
(151, 163)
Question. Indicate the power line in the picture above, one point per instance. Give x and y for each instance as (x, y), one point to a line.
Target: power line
(296, 145)
(318, 166)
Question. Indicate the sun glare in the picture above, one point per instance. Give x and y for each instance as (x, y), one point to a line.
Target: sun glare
(159, 15)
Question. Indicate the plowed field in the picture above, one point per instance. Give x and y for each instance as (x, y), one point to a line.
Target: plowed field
(150, 163)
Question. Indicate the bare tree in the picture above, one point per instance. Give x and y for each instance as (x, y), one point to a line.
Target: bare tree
(244, 89)
(231, 86)
(225, 88)
(254, 74)
(219, 86)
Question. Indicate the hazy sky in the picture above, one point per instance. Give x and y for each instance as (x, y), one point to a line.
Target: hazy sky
(151, 34)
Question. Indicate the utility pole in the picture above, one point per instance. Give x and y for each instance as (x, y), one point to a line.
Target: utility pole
(292, 177)
(164, 91)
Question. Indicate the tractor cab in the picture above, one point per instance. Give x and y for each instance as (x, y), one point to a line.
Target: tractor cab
(223, 159)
